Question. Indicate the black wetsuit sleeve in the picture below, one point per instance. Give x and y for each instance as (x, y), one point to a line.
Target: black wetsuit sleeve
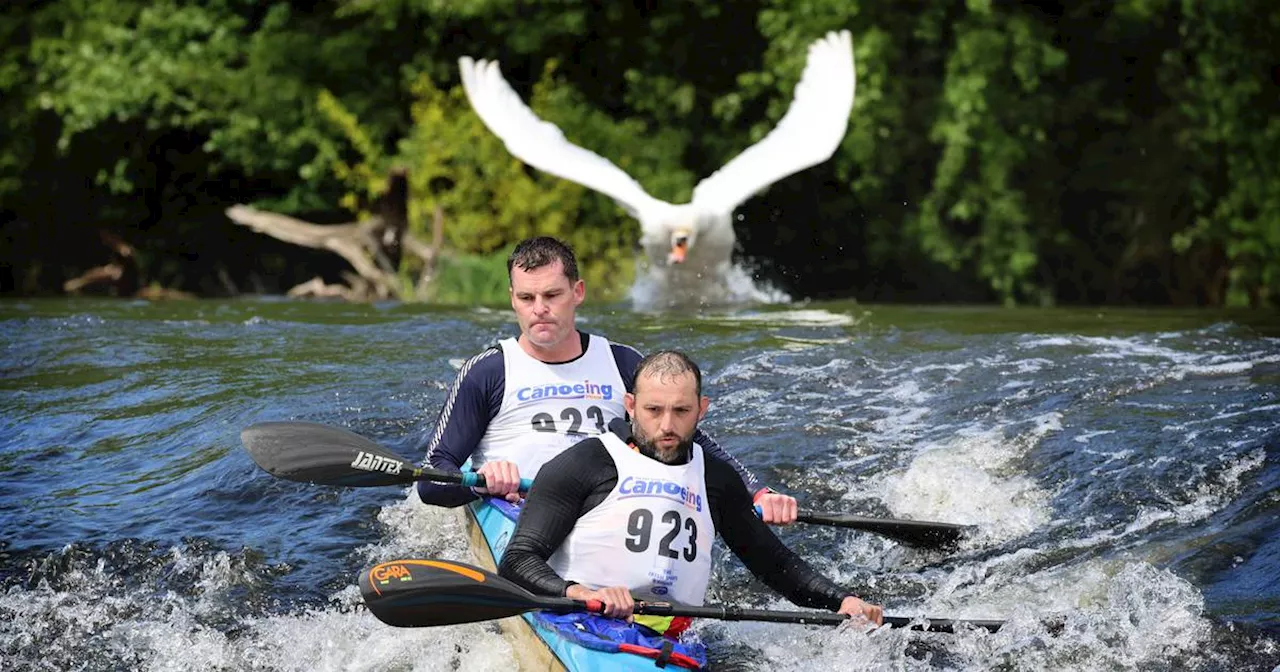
(757, 546)
(473, 402)
(714, 449)
(568, 486)
(627, 358)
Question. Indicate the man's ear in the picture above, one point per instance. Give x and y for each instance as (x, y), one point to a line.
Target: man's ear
(629, 404)
(703, 405)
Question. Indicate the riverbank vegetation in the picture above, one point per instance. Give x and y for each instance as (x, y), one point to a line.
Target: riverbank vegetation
(1118, 152)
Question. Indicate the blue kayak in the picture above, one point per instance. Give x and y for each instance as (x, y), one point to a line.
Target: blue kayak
(570, 641)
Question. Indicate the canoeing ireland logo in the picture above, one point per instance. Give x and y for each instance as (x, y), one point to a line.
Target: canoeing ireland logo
(565, 390)
(657, 487)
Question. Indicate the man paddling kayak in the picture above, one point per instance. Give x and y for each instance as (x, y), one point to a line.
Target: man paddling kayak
(634, 511)
(522, 402)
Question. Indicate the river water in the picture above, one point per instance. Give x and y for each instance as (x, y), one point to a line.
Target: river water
(1121, 466)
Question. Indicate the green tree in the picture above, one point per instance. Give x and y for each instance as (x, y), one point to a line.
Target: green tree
(1093, 152)
(986, 204)
(1225, 81)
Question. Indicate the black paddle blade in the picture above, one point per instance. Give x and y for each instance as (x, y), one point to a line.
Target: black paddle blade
(424, 593)
(919, 533)
(941, 624)
(315, 453)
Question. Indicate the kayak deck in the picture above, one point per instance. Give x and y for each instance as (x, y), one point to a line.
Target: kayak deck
(490, 525)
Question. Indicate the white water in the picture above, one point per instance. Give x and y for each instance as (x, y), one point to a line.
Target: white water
(732, 285)
(1115, 481)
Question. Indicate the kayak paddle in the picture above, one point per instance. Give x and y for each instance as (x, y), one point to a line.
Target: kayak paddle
(921, 533)
(315, 453)
(426, 593)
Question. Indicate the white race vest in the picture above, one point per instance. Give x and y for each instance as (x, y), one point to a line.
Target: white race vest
(652, 534)
(548, 407)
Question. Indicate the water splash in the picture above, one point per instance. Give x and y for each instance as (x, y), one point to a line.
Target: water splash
(1125, 484)
(662, 288)
(1112, 616)
(970, 480)
(183, 609)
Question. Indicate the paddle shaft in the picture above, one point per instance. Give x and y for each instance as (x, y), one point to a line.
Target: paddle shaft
(468, 478)
(416, 593)
(730, 613)
(316, 453)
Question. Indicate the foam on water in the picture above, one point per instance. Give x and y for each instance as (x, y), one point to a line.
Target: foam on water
(414, 530)
(1206, 496)
(1142, 352)
(128, 623)
(1112, 479)
(343, 641)
(800, 317)
(1116, 615)
(1087, 436)
(970, 480)
(1113, 616)
(655, 289)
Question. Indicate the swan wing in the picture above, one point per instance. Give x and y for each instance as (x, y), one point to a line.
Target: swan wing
(540, 143)
(807, 134)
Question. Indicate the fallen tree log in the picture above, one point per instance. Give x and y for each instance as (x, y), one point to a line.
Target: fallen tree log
(373, 247)
(353, 242)
(318, 289)
(120, 276)
(107, 274)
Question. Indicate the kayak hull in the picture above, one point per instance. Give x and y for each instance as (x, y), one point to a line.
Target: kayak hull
(488, 532)
(539, 647)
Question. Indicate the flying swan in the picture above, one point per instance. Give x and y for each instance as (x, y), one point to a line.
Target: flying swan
(697, 236)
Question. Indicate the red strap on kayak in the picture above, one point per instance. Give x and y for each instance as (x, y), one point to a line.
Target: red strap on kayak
(677, 659)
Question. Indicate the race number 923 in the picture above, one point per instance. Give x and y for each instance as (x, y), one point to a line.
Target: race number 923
(679, 534)
(545, 422)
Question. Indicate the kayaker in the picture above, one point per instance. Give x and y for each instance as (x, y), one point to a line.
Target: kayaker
(634, 511)
(523, 401)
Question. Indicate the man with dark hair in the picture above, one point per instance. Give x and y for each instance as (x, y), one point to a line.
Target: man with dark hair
(520, 403)
(632, 513)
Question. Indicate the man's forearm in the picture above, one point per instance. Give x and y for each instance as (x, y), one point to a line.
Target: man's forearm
(526, 568)
(799, 582)
(761, 550)
(440, 494)
(558, 498)
(464, 418)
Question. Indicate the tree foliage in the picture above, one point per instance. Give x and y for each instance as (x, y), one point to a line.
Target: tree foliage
(1090, 152)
